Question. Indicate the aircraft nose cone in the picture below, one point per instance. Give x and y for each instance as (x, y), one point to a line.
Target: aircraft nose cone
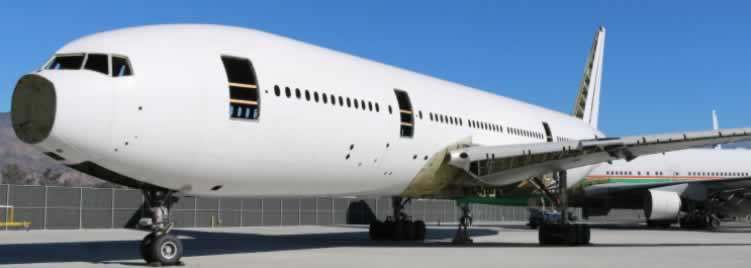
(33, 108)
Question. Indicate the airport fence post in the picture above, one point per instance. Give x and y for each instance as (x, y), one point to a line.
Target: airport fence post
(315, 210)
(299, 211)
(195, 211)
(112, 210)
(333, 213)
(242, 211)
(80, 209)
(7, 203)
(44, 224)
(218, 212)
(281, 212)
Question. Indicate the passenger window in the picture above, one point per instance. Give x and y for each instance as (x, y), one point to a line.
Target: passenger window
(243, 88)
(307, 95)
(297, 93)
(325, 99)
(66, 62)
(315, 96)
(121, 66)
(349, 102)
(341, 102)
(277, 92)
(287, 92)
(370, 106)
(362, 104)
(378, 109)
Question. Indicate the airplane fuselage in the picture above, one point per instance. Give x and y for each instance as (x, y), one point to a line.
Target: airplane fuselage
(323, 123)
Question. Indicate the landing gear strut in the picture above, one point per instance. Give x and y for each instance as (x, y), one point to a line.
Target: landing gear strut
(399, 226)
(563, 232)
(462, 233)
(160, 248)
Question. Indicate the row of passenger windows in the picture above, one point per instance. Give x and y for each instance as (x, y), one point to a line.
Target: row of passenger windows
(638, 173)
(525, 133)
(563, 139)
(329, 98)
(690, 173)
(718, 173)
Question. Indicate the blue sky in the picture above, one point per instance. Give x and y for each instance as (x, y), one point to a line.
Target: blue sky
(667, 63)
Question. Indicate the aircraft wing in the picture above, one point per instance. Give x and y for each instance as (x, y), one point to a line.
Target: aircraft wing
(506, 164)
(712, 185)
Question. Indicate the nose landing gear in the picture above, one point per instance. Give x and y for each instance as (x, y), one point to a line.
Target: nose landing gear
(160, 248)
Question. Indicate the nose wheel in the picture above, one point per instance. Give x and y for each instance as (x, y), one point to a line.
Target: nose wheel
(160, 247)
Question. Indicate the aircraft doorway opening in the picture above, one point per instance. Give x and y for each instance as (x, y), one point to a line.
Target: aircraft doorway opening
(407, 117)
(548, 133)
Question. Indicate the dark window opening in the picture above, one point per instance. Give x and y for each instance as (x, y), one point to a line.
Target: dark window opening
(349, 102)
(324, 98)
(341, 101)
(121, 66)
(407, 119)
(66, 62)
(362, 104)
(315, 96)
(307, 95)
(378, 108)
(370, 106)
(277, 92)
(287, 92)
(355, 101)
(98, 63)
(243, 88)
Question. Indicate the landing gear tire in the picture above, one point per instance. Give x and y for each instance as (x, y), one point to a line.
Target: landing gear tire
(164, 250)
(420, 230)
(145, 248)
(564, 234)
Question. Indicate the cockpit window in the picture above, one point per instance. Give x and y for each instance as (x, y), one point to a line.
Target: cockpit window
(98, 63)
(66, 62)
(120, 66)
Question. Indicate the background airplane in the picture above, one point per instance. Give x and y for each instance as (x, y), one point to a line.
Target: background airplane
(695, 187)
(225, 111)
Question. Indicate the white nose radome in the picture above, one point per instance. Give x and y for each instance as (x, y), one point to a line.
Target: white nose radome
(66, 113)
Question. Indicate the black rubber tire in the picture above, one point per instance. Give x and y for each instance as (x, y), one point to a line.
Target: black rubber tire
(410, 230)
(145, 248)
(375, 230)
(420, 230)
(398, 233)
(164, 255)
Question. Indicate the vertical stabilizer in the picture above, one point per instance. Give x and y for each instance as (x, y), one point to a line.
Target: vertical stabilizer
(587, 106)
(715, 126)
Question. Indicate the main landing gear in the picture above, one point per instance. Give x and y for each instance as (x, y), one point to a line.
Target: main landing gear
(563, 232)
(398, 227)
(698, 219)
(160, 248)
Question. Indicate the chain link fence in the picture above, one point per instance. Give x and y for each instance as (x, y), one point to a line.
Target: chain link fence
(55, 207)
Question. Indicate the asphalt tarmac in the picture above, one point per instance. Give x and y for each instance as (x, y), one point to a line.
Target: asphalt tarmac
(496, 245)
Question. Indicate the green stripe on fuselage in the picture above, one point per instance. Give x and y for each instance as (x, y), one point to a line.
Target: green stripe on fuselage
(641, 180)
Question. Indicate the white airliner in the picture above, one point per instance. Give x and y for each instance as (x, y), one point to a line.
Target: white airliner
(705, 185)
(225, 111)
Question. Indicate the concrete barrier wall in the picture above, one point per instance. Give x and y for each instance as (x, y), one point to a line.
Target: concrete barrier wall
(54, 207)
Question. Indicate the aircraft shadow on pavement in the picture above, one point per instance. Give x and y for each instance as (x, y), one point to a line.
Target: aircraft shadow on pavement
(219, 242)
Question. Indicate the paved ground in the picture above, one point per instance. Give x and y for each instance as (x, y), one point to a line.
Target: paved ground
(314, 246)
